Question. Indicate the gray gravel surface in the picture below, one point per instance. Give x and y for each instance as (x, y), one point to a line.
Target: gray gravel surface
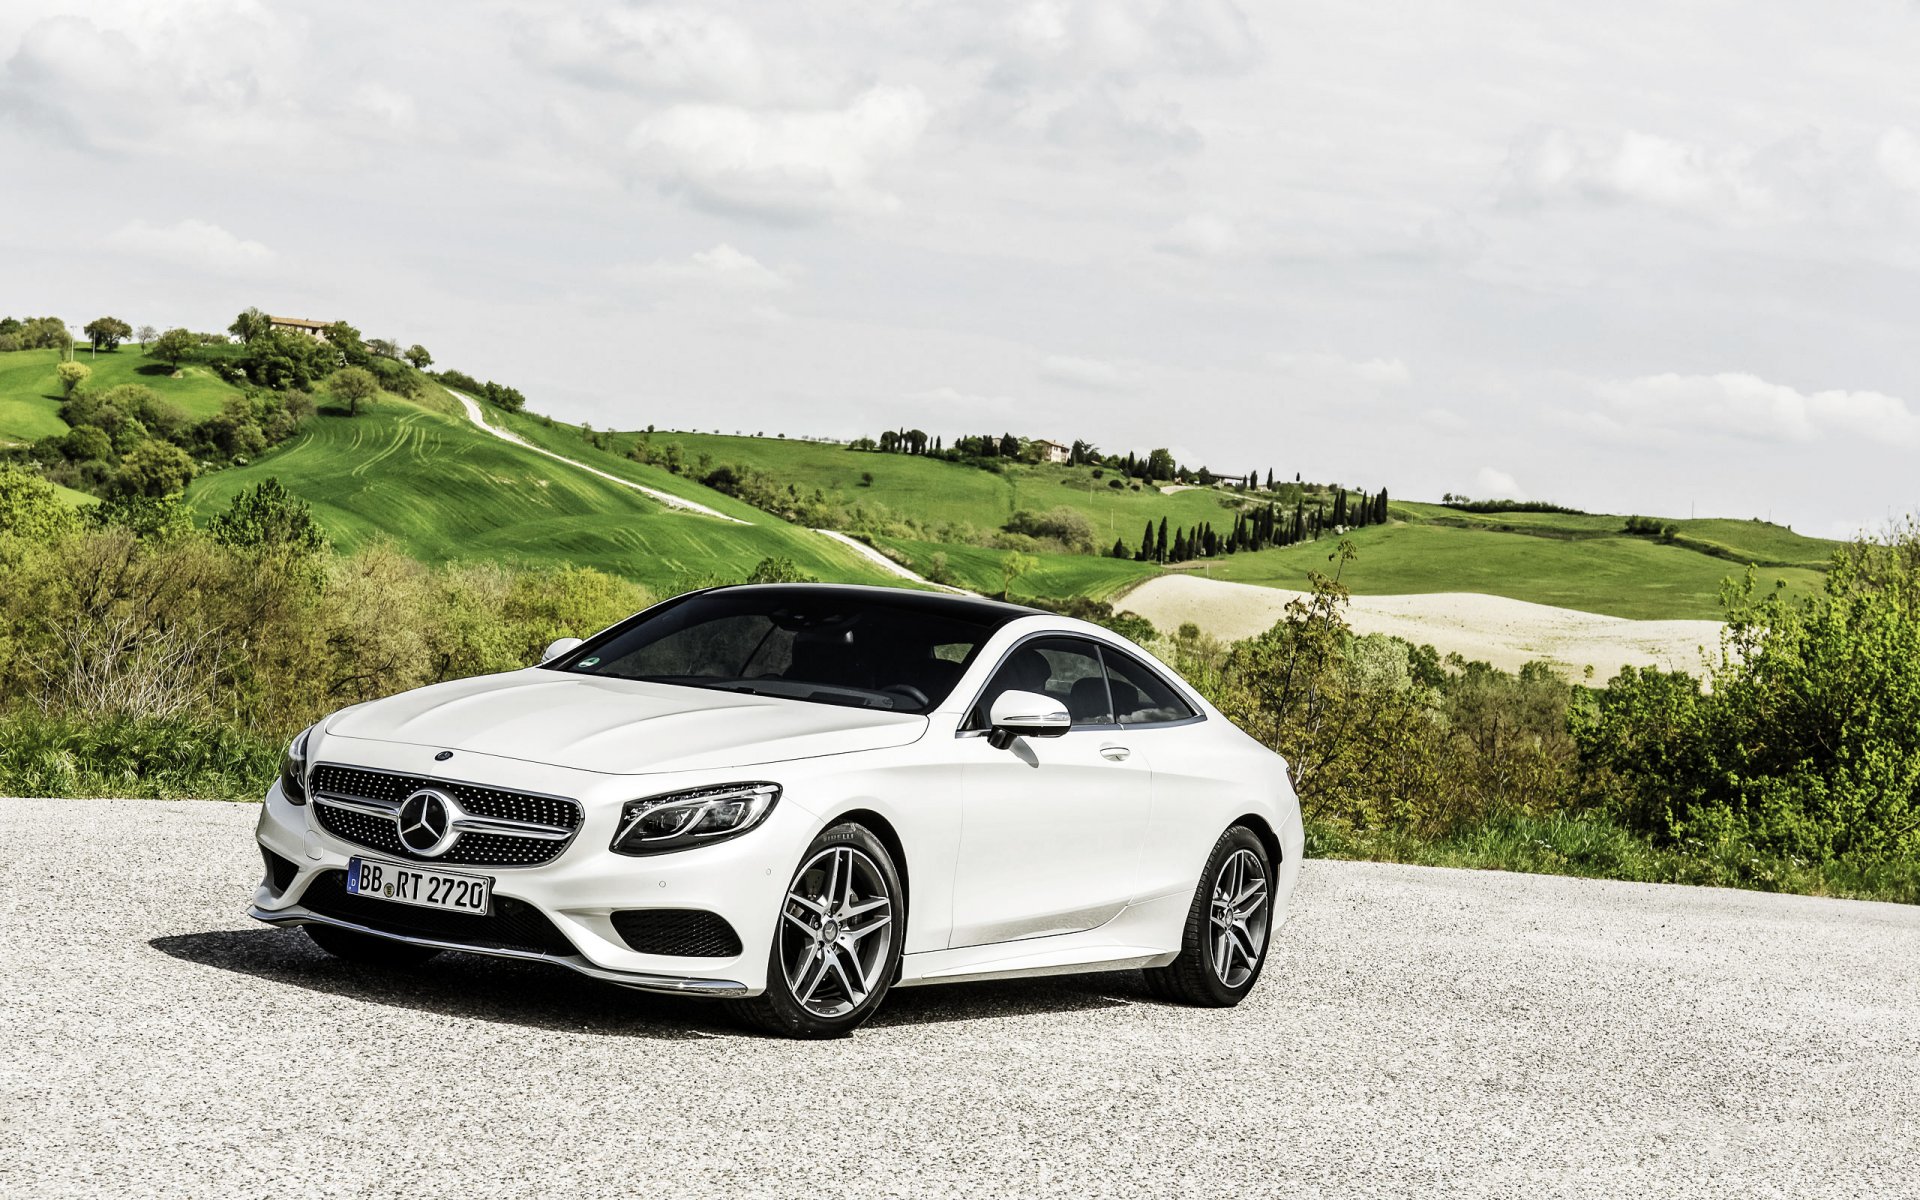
(1417, 1032)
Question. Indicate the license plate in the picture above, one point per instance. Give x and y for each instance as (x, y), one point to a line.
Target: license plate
(410, 885)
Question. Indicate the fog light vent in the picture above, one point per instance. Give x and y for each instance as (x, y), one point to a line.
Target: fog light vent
(681, 932)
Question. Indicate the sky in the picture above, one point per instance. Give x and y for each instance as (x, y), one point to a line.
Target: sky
(1664, 259)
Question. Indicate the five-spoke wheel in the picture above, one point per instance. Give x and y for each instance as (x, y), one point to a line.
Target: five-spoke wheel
(838, 945)
(1225, 942)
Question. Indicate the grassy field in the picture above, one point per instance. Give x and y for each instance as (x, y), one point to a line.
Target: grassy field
(1616, 575)
(937, 492)
(30, 392)
(1057, 577)
(1751, 541)
(445, 491)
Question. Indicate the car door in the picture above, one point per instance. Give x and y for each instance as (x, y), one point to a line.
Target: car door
(1051, 827)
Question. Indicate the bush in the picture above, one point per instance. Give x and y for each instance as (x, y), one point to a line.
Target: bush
(1807, 746)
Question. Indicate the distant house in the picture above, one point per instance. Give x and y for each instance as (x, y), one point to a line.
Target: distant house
(1054, 452)
(300, 325)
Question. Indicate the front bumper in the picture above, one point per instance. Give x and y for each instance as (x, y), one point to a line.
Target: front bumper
(676, 984)
(742, 880)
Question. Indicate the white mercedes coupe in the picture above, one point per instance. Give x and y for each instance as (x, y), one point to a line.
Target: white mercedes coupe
(795, 798)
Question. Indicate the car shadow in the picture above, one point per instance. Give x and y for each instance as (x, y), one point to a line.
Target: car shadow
(542, 996)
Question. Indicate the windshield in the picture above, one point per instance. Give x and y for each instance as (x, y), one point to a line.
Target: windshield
(822, 645)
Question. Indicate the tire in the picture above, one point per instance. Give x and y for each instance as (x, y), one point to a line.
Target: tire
(365, 948)
(836, 948)
(1238, 865)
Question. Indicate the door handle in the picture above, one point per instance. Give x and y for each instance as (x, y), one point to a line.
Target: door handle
(1116, 753)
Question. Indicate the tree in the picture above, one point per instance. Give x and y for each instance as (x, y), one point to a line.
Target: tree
(1120, 549)
(153, 468)
(250, 325)
(1146, 543)
(268, 516)
(353, 385)
(346, 341)
(1009, 446)
(107, 333)
(778, 570)
(1160, 465)
(418, 356)
(1012, 567)
(145, 334)
(72, 375)
(1160, 543)
(29, 507)
(172, 346)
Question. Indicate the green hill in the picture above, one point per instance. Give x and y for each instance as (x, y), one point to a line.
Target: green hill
(445, 491)
(30, 392)
(422, 475)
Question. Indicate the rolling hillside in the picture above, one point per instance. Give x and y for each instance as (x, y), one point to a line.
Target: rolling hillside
(444, 491)
(30, 393)
(424, 476)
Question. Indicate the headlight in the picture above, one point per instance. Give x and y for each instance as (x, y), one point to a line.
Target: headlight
(293, 769)
(681, 819)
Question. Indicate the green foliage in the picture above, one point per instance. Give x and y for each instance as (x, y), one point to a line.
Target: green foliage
(250, 325)
(282, 359)
(778, 570)
(29, 507)
(173, 346)
(153, 468)
(106, 333)
(72, 375)
(161, 517)
(353, 386)
(1808, 744)
(417, 355)
(268, 517)
(346, 346)
(168, 757)
(497, 394)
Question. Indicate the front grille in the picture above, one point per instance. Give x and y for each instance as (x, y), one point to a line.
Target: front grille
(472, 849)
(280, 872)
(512, 925)
(684, 932)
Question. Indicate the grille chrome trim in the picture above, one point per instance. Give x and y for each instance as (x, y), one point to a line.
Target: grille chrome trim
(492, 840)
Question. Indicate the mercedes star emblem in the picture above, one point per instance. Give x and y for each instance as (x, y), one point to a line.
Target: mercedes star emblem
(426, 820)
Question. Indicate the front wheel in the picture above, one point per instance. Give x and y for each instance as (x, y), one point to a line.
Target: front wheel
(838, 943)
(1225, 941)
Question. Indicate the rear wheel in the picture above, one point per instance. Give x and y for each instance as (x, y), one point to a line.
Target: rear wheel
(837, 947)
(1225, 941)
(358, 947)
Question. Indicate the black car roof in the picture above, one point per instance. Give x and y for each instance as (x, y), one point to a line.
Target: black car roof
(945, 604)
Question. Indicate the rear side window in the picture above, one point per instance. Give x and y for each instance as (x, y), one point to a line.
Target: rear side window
(1140, 696)
(1064, 668)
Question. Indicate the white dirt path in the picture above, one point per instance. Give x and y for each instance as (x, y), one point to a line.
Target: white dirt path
(1495, 629)
(882, 561)
(478, 417)
(667, 498)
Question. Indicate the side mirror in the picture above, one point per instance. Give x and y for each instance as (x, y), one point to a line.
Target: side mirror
(558, 647)
(1025, 714)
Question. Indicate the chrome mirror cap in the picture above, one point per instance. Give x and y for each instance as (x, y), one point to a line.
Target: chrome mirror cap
(1026, 714)
(558, 647)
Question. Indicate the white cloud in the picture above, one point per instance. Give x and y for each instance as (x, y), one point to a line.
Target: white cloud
(200, 245)
(1202, 235)
(1898, 155)
(1491, 484)
(1556, 165)
(787, 163)
(1335, 376)
(682, 52)
(722, 267)
(1092, 374)
(1746, 406)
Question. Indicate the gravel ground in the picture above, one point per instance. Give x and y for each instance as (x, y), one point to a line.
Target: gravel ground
(1418, 1031)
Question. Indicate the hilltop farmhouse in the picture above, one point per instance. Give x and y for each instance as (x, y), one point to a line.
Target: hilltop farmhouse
(313, 329)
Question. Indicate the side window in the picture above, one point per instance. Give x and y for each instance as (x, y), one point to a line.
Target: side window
(1140, 696)
(1067, 669)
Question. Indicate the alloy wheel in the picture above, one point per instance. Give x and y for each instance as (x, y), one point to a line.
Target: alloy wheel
(1238, 917)
(836, 931)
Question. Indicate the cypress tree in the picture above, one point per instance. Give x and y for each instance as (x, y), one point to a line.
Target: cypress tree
(1146, 543)
(1160, 547)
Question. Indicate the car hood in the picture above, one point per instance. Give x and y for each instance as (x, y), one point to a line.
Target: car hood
(620, 726)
